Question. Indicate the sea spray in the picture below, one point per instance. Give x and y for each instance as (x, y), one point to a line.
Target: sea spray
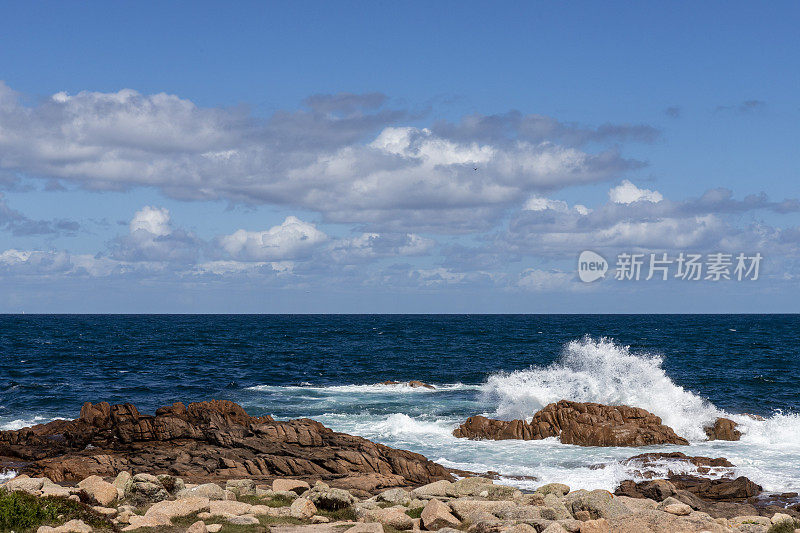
(602, 371)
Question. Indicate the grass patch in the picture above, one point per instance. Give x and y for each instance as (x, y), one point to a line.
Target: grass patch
(23, 512)
(273, 520)
(415, 513)
(275, 501)
(344, 514)
(785, 526)
(180, 524)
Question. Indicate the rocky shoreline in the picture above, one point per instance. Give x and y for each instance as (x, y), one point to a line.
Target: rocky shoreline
(209, 466)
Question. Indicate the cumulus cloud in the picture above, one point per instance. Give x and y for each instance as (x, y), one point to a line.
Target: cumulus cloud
(642, 219)
(538, 203)
(376, 245)
(50, 264)
(347, 157)
(627, 193)
(152, 221)
(151, 237)
(290, 240)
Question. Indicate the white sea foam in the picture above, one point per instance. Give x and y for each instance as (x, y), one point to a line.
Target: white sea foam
(602, 371)
(24, 422)
(376, 388)
(594, 370)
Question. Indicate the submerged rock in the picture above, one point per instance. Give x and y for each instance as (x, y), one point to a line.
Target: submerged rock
(414, 383)
(584, 424)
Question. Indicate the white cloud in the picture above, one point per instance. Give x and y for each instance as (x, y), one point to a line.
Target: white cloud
(346, 158)
(293, 238)
(227, 268)
(538, 203)
(50, 263)
(152, 220)
(627, 193)
(377, 245)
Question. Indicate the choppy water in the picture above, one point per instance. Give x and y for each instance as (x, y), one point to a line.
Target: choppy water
(687, 369)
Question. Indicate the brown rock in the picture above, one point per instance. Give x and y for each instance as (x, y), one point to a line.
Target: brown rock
(648, 460)
(437, 515)
(303, 509)
(99, 490)
(723, 429)
(207, 441)
(600, 525)
(73, 526)
(197, 527)
(720, 489)
(293, 485)
(584, 424)
(738, 489)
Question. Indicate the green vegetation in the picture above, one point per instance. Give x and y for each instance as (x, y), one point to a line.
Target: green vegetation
(275, 501)
(23, 512)
(346, 513)
(415, 513)
(786, 526)
(179, 525)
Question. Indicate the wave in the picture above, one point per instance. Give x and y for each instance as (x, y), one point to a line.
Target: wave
(602, 371)
(781, 430)
(376, 388)
(20, 423)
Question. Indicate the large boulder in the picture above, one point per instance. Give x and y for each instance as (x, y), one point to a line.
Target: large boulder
(293, 485)
(329, 498)
(207, 441)
(179, 508)
(436, 515)
(598, 503)
(145, 488)
(303, 508)
(25, 483)
(723, 429)
(584, 424)
(738, 489)
(99, 490)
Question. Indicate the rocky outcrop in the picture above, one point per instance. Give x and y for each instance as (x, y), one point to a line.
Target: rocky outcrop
(726, 496)
(652, 464)
(207, 441)
(584, 424)
(723, 429)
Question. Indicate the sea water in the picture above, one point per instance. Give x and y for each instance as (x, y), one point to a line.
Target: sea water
(687, 369)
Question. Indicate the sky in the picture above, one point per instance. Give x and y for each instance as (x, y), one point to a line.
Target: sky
(415, 157)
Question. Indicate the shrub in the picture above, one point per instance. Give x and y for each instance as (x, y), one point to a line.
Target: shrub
(21, 512)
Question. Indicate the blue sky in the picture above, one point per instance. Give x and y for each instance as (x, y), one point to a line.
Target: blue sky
(321, 157)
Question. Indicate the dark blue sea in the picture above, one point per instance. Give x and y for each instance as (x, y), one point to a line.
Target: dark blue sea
(688, 369)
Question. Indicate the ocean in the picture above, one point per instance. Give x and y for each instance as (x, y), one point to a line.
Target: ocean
(687, 369)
